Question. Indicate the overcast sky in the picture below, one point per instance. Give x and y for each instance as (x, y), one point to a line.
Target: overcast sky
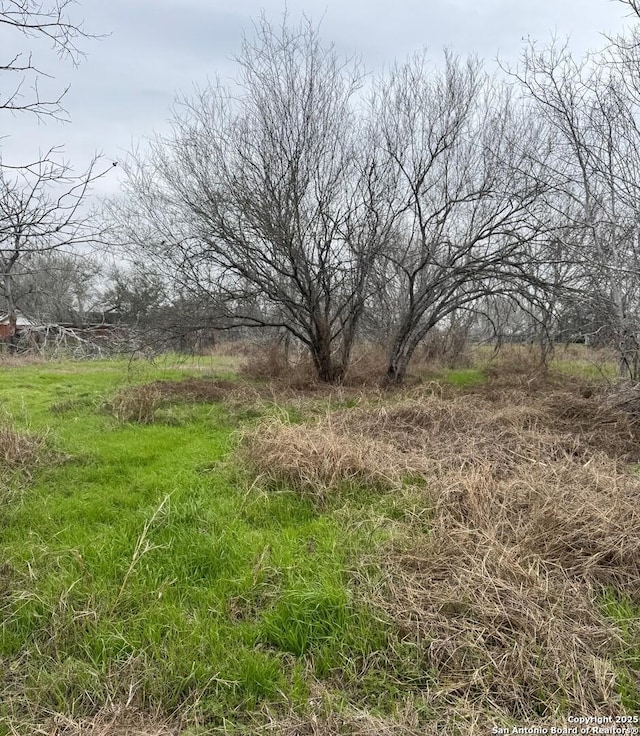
(124, 88)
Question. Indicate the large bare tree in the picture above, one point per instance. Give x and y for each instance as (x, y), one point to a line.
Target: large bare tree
(467, 203)
(596, 167)
(265, 190)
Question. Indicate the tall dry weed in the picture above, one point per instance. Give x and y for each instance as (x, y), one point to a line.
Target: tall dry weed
(20, 454)
(18, 449)
(136, 404)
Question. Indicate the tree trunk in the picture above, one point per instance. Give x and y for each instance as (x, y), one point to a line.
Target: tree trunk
(399, 356)
(397, 370)
(326, 370)
(321, 352)
(12, 314)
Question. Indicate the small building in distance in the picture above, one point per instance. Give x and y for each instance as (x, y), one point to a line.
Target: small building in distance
(22, 324)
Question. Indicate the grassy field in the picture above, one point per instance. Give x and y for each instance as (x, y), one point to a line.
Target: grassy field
(185, 551)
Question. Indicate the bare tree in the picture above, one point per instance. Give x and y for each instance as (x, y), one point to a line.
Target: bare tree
(57, 287)
(596, 165)
(52, 23)
(41, 211)
(265, 191)
(466, 205)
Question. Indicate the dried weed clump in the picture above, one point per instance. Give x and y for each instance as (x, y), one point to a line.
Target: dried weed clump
(17, 449)
(317, 459)
(136, 404)
(140, 403)
(533, 515)
(20, 454)
(269, 361)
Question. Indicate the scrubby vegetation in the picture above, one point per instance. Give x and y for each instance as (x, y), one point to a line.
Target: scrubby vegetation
(230, 554)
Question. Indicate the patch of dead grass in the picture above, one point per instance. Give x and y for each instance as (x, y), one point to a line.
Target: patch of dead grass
(18, 449)
(501, 604)
(195, 389)
(269, 361)
(123, 721)
(20, 454)
(533, 514)
(141, 402)
(317, 459)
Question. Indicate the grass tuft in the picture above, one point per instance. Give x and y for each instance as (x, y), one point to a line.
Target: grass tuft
(18, 449)
(136, 404)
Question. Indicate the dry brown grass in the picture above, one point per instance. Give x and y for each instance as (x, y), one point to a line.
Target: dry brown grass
(20, 454)
(500, 599)
(367, 366)
(136, 404)
(18, 360)
(112, 722)
(317, 459)
(533, 514)
(284, 371)
(194, 389)
(266, 362)
(140, 403)
(516, 360)
(18, 449)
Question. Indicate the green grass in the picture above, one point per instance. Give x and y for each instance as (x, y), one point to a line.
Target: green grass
(626, 613)
(147, 563)
(144, 567)
(464, 377)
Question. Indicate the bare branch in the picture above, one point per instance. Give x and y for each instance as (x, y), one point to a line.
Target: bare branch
(51, 22)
